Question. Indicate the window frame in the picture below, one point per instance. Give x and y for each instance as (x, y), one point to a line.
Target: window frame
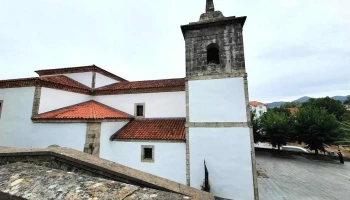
(143, 159)
(1, 106)
(144, 109)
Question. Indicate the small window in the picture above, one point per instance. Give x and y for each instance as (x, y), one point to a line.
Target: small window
(140, 110)
(147, 153)
(213, 54)
(1, 105)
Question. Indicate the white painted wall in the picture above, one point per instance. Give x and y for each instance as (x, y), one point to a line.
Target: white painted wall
(170, 157)
(217, 100)
(17, 129)
(102, 80)
(106, 146)
(258, 110)
(164, 104)
(228, 159)
(52, 99)
(82, 77)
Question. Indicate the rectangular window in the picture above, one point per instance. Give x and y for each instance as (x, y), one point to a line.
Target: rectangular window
(1, 105)
(139, 109)
(147, 153)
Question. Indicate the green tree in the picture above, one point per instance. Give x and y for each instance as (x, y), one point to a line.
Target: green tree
(293, 104)
(258, 137)
(347, 101)
(330, 105)
(277, 127)
(316, 128)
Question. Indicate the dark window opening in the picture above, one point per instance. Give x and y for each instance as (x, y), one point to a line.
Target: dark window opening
(139, 110)
(213, 54)
(148, 154)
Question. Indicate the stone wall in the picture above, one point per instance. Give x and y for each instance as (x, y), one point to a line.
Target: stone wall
(92, 141)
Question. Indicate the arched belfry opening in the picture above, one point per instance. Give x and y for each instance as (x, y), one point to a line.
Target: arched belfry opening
(213, 54)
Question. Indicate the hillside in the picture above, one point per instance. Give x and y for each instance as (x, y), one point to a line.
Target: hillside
(302, 100)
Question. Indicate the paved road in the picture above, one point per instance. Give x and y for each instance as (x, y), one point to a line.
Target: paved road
(302, 179)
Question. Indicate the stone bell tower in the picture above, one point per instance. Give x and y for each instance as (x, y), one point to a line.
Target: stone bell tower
(218, 127)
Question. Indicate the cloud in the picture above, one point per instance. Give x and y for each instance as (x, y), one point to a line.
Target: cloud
(292, 48)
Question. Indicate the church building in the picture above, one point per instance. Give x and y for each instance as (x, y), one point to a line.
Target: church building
(194, 130)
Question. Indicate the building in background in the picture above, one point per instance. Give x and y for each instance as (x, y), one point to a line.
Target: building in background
(172, 128)
(257, 108)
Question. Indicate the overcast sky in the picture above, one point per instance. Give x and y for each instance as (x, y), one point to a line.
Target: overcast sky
(292, 47)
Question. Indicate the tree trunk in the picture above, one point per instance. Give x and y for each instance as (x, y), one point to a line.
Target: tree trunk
(279, 147)
(316, 151)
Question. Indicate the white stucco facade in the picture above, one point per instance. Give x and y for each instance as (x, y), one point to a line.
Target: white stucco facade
(157, 105)
(226, 150)
(169, 158)
(52, 99)
(84, 78)
(217, 100)
(227, 155)
(102, 80)
(17, 130)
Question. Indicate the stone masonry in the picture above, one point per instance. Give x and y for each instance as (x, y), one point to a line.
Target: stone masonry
(92, 140)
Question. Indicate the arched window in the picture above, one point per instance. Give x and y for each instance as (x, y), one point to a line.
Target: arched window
(213, 54)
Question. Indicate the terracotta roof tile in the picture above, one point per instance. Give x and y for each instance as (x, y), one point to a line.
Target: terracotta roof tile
(145, 84)
(293, 110)
(86, 110)
(153, 129)
(64, 80)
(255, 103)
(88, 68)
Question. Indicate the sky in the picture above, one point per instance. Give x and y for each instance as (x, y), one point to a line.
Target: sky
(293, 48)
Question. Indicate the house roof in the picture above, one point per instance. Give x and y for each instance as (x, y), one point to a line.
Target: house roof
(163, 85)
(153, 129)
(255, 103)
(87, 110)
(88, 68)
(293, 110)
(64, 80)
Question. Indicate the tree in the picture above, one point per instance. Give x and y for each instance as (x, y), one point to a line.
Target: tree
(330, 105)
(277, 127)
(293, 104)
(347, 101)
(316, 128)
(258, 137)
(279, 110)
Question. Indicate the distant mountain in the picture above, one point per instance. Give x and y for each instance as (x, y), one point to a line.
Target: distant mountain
(302, 100)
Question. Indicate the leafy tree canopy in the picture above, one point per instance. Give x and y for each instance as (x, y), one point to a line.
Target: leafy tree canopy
(330, 105)
(316, 127)
(293, 104)
(347, 101)
(277, 127)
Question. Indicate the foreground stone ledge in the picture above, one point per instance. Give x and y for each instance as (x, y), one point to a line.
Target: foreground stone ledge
(34, 182)
(79, 162)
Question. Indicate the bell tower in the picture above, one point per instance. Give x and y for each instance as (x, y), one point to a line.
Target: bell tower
(218, 127)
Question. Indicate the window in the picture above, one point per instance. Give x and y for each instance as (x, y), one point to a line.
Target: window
(213, 54)
(1, 105)
(139, 110)
(147, 153)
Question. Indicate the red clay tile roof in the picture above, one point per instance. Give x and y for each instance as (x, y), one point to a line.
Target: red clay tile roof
(293, 110)
(153, 129)
(145, 84)
(163, 85)
(89, 68)
(64, 80)
(86, 110)
(255, 103)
